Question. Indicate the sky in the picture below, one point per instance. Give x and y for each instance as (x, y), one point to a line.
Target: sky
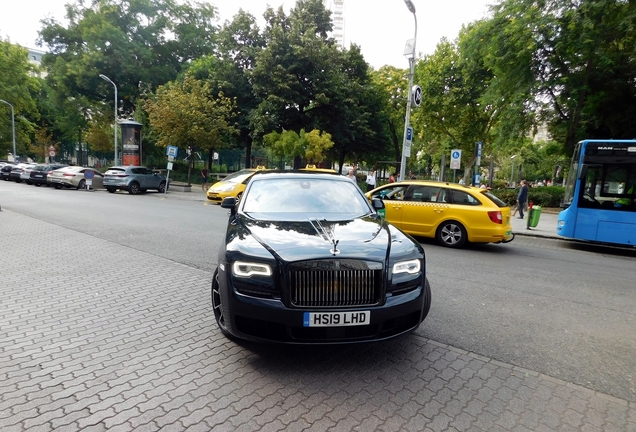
(380, 27)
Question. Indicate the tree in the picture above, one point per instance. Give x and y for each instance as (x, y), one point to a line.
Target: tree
(312, 146)
(569, 63)
(453, 113)
(304, 81)
(138, 44)
(18, 87)
(228, 71)
(186, 114)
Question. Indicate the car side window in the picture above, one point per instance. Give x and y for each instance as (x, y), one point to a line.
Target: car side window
(463, 198)
(421, 193)
(137, 170)
(439, 195)
(395, 193)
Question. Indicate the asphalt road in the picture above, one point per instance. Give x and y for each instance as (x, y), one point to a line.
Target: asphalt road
(550, 306)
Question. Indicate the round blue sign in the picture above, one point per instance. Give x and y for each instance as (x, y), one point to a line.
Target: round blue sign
(89, 174)
(455, 155)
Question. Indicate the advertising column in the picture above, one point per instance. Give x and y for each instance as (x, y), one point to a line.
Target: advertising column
(131, 142)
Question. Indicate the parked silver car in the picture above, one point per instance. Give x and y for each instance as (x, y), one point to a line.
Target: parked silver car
(134, 179)
(75, 177)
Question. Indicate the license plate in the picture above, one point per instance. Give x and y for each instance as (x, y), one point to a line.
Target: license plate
(336, 319)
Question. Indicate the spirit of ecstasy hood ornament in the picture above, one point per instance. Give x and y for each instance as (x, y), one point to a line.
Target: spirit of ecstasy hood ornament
(327, 234)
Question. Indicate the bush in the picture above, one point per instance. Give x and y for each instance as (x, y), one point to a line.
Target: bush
(544, 196)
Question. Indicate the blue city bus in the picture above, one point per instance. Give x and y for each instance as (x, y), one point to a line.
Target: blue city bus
(600, 193)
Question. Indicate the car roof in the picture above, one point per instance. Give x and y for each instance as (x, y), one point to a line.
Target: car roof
(299, 174)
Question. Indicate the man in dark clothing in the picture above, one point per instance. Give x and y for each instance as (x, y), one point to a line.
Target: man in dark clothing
(522, 198)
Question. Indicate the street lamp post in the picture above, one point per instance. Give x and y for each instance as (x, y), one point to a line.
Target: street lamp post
(12, 125)
(407, 118)
(105, 78)
(512, 170)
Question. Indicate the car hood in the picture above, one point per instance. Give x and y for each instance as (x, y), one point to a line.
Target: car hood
(368, 237)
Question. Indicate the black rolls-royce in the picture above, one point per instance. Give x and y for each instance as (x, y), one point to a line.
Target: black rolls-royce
(307, 259)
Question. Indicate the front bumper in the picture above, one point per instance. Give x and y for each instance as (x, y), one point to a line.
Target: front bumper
(270, 320)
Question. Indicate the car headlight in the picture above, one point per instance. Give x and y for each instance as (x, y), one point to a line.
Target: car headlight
(410, 267)
(248, 269)
(223, 188)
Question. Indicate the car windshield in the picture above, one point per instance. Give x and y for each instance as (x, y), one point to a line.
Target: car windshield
(239, 176)
(301, 198)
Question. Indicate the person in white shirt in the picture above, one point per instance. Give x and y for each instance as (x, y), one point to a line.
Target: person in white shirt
(370, 180)
(461, 180)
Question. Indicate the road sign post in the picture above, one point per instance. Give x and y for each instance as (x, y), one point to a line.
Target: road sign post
(171, 151)
(89, 175)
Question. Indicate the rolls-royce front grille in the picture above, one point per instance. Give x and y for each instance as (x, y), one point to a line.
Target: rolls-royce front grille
(333, 288)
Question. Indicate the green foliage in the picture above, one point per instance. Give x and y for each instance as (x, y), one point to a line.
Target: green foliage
(304, 81)
(18, 88)
(138, 44)
(187, 114)
(544, 196)
(312, 146)
(568, 63)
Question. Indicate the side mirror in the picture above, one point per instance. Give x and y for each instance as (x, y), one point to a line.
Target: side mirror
(379, 207)
(377, 204)
(229, 202)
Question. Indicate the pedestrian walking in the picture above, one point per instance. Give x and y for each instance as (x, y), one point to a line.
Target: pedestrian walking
(522, 198)
(370, 181)
(204, 178)
(392, 178)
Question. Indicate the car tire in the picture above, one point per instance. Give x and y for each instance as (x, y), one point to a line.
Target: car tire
(219, 307)
(451, 234)
(38, 184)
(58, 186)
(427, 299)
(133, 188)
(81, 184)
(162, 187)
(110, 190)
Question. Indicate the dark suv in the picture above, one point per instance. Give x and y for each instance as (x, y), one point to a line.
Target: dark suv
(134, 179)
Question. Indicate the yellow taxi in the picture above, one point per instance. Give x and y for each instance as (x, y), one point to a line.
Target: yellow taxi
(448, 212)
(233, 185)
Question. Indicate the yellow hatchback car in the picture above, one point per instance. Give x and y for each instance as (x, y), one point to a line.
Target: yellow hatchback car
(451, 213)
(232, 186)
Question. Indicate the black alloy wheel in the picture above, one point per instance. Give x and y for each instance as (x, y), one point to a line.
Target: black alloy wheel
(162, 187)
(217, 305)
(82, 184)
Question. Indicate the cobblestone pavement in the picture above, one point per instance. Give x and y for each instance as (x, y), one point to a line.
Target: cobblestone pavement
(96, 336)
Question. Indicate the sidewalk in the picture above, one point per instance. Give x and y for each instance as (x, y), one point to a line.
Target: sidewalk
(546, 227)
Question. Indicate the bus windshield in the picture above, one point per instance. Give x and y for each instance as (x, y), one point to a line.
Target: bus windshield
(600, 193)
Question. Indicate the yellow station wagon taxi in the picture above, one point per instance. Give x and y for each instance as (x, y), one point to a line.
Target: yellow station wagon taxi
(232, 186)
(451, 213)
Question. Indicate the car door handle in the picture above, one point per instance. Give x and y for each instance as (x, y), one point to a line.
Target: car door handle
(397, 207)
(439, 210)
